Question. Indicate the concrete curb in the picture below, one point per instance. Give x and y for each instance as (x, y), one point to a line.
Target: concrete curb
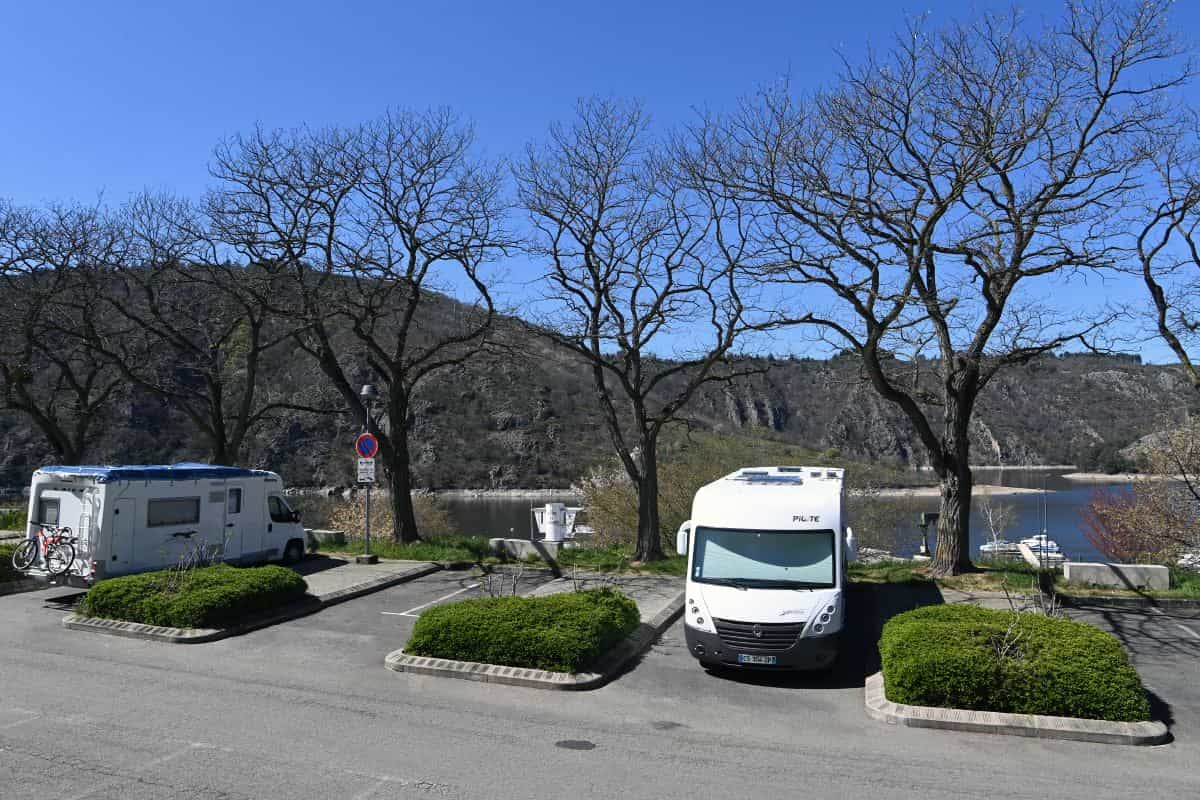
(24, 585)
(137, 630)
(607, 668)
(1033, 725)
(1085, 601)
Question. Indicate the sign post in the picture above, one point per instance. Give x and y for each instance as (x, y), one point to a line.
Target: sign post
(367, 446)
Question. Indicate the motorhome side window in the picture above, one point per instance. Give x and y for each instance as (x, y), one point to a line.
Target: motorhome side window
(173, 511)
(235, 501)
(48, 512)
(279, 509)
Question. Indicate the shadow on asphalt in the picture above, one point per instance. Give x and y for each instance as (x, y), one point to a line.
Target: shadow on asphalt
(868, 607)
(317, 563)
(1160, 711)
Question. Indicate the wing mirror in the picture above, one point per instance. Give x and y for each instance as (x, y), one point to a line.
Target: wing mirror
(681, 538)
(295, 516)
(851, 545)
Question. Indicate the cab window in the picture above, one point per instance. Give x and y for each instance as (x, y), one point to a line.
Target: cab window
(279, 510)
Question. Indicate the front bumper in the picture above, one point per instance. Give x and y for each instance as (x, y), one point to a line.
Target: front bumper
(808, 653)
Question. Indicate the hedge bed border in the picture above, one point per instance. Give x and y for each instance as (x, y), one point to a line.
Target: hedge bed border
(608, 667)
(1031, 725)
(1086, 600)
(138, 630)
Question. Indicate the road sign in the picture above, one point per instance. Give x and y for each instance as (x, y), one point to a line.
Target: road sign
(366, 445)
(366, 470)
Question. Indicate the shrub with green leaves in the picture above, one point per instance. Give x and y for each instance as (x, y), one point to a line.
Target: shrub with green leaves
(962, 656)
(208, 597)
(560, 632)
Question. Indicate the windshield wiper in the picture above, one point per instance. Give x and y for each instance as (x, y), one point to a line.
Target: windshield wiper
(768, 584)
(725, 582)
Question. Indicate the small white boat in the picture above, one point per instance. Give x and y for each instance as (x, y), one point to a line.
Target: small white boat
(1000, 548)
(1041, 543)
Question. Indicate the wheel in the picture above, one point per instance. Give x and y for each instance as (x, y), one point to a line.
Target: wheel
(293, 552)
(25, 554)
(59, 558)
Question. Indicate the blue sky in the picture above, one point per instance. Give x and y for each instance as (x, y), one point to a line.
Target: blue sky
(120, 96)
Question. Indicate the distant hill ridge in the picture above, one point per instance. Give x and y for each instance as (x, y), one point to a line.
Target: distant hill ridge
(530, 421)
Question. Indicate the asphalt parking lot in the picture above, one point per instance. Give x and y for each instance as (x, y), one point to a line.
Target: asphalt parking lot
(306, 709)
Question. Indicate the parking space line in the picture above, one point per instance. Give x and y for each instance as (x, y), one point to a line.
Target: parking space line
(1188, 630)
(410, 613)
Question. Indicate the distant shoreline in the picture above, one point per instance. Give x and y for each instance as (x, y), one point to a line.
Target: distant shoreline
(503, 494)
(1120, 477)
(978, 490)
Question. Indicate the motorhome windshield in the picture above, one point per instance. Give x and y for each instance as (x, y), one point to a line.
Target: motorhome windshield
(764, 559)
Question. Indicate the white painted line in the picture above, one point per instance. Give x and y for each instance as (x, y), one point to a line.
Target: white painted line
(1154, 610)
(410, 613)
(1188, 630)
(30, 718)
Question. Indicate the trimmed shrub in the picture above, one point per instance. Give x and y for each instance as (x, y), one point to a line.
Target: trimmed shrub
(962, 656)
(208, 597)
(560, 632)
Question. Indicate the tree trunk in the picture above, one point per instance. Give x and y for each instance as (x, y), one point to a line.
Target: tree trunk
(953, 553)
(649, 538)
(404, 520)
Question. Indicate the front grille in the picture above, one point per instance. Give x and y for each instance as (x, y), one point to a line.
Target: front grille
(773, 637)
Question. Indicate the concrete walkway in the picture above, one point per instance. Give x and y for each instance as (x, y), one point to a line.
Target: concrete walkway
(651, 592)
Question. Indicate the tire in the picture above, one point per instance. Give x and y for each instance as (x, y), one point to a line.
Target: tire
(25, 554)
(293, 552)
(59, 559)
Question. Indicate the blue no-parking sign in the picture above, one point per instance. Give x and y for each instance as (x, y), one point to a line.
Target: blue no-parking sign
(366, 445)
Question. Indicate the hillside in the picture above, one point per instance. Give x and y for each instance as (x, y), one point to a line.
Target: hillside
(527, 419)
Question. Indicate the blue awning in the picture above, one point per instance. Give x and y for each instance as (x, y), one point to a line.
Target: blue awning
(186, 471)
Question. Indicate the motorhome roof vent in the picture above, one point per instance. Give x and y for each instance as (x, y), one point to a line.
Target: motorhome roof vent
(791, 469)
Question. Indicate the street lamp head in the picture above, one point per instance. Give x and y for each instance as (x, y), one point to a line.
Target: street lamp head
(369, 392)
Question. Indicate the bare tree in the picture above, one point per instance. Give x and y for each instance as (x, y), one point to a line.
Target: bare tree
(374, 227)
(46, 372)
(938, 194)
(1168, 246)
(191, 327)
(635, 264)
(997, 517)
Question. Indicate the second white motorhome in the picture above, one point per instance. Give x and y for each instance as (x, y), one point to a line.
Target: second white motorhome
(127, 519)
(767, 550)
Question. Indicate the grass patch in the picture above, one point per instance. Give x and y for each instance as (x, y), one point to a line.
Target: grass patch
(12, 519)
(560, 632)
(7, 573)
(962, 656)
(208, 597)
(436, 548)
(619, 558)
(992, 576)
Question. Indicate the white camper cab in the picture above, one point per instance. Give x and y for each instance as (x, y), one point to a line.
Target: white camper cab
(141, 518)
(767, 552)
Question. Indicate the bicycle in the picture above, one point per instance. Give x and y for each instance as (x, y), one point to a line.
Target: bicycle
(56, 549)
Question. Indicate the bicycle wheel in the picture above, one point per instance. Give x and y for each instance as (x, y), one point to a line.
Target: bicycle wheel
(60, 558)
(25, 554)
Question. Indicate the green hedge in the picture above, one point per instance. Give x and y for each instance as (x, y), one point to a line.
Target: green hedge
(949, 656)
(208, 597)
(560, 632)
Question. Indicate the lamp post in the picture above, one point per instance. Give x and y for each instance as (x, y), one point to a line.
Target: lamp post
(369, 394)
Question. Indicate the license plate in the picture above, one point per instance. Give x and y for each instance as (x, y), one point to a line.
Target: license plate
(744, 658)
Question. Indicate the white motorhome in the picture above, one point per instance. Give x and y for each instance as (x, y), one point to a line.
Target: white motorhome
(767, 549)
(140, 518)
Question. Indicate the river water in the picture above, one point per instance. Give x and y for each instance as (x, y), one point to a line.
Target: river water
(1061, 506)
